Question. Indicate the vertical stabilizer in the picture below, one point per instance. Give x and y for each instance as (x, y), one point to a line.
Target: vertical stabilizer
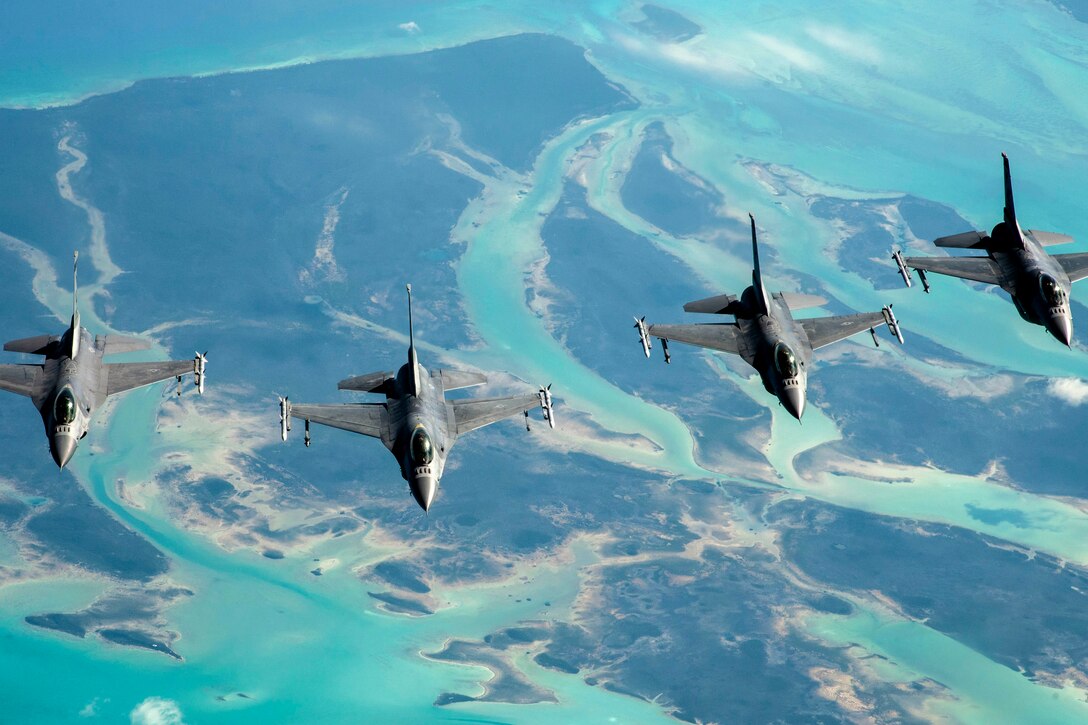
(1010, 209)
(73, 331)
(413, 361)
(757, 277)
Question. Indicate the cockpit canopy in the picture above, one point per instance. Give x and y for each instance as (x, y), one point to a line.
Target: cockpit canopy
(64, 409)
(785, 361)
(1052, 291)
(420, 448)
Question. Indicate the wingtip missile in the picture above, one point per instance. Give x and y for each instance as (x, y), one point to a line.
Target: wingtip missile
(545, 395)
(199, 364)
(904, 270)
(643, 335)
(285, 417)
(893, 323)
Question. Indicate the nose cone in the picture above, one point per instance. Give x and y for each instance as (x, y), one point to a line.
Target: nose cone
(423, 490)
(62, 449)
(793, 400)
(1061, 327)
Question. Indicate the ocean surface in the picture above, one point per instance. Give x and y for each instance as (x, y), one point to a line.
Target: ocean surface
(770, 107)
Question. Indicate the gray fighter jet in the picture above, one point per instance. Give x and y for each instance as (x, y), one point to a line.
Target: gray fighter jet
(766, 335)
(73, 381)
(1039, 283)
(416, 422)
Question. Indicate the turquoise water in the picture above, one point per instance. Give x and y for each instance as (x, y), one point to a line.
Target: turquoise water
(299, 646)
(988, 692)
(762, 93)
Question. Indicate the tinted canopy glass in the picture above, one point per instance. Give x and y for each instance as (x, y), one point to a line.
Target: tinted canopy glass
(64, 410)
(1052, 291)
(422, 450)
(785, 360)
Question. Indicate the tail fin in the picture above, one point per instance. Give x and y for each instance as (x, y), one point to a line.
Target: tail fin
(73, 331)
(757, 278)
(1010, 209)
(413, 361)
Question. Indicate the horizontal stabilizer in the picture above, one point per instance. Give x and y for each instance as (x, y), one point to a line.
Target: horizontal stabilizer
(798, 301)
(37, 345)
(369, 383)
(716, 305)
(456, 379)
(966, 240)
(116, 344)
(1048, 239)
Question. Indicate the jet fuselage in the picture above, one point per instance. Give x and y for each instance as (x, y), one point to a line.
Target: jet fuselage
(1038, 285)
(423, 438)
(777, 348)
(416, 422)
(68, 406)
(1017, 261)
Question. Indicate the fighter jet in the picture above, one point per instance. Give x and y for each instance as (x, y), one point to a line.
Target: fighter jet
(416, 422)
(73, 381)
(1039, 283)
(765, 334)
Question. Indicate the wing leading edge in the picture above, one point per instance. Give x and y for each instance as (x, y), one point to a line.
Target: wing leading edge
(976, 269)
(823, 331)
(369, 419)
(470, 414)
(121, 377)
(714, 336)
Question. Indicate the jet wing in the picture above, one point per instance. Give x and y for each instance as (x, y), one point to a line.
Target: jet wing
(977, 269)
(1075, 265)
(126, 376)
(826, 330)
(21, 379)
(369, 419)
(470, 414)
(722, 337)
